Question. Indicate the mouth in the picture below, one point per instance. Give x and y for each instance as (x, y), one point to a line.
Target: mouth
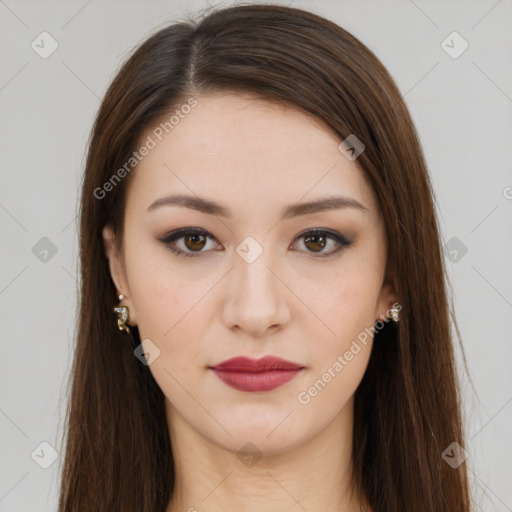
(266, 374)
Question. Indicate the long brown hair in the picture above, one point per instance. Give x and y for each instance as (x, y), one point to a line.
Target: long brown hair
(408, 409)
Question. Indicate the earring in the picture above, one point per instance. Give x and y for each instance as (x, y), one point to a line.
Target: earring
(394, 314)
(123, 315)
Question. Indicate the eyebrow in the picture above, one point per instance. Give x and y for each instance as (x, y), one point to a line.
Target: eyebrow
(212, 208)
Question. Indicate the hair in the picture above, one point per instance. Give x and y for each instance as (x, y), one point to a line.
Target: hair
(408, 408)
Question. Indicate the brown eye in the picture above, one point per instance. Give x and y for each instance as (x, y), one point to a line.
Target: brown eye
(315, 242)
(194, 242)
(190, 241)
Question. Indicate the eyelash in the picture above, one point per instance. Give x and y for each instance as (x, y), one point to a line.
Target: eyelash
(182, 233)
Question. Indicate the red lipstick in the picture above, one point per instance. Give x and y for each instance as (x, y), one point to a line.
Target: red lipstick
(255, 375)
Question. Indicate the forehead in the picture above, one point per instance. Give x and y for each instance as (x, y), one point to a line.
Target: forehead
(247, 153)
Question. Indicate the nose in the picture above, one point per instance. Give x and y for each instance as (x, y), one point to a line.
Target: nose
(258, 297)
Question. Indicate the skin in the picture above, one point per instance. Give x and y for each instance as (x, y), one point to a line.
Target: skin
(255, 158)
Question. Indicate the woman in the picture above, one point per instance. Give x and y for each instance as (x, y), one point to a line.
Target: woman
(263, 319)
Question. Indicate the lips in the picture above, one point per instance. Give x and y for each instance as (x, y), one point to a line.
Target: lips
(267, 363)
(255, 375)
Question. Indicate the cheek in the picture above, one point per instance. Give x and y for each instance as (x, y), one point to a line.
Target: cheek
(344, 305)
(170, 306)
(340, 351)
(151, 288)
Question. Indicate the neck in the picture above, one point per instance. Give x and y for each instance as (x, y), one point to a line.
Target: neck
(315, 476)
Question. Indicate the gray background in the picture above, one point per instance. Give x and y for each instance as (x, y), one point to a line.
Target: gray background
(462, 108)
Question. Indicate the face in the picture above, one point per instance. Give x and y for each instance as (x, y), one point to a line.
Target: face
(248, 280)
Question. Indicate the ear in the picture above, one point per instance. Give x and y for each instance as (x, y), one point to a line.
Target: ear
(387, 299)
(118, 272)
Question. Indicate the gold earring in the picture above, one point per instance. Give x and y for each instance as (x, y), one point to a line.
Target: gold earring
(123, 315)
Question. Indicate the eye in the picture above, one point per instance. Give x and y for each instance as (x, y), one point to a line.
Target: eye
(195, 239)
(317, 240)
